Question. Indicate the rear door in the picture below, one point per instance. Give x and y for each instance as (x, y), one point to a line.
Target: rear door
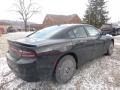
(99, 46)
(82, 46)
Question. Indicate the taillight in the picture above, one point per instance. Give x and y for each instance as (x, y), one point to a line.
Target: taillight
(28, 54)
(22, 53)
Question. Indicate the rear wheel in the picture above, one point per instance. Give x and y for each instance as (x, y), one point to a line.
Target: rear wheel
(110, 49)
(65, 69)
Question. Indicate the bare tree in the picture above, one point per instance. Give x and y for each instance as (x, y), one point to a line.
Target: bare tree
(26, 9)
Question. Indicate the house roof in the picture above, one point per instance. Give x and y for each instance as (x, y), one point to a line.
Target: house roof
(36, 26)
(14, 23)
(4, 23)
(51, 19)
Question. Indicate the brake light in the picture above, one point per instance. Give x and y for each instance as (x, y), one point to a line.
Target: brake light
(22, 53)
(28, 54)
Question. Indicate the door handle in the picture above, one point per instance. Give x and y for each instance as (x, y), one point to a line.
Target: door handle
(83, 41)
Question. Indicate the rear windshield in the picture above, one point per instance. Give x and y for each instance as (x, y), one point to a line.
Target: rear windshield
(115, 25)
(47, 32)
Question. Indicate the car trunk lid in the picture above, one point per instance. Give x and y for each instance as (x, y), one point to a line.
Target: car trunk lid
(18, 50)
(29, 46)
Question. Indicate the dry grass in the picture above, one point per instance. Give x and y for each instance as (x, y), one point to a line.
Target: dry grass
(99, 74)
(3, 45)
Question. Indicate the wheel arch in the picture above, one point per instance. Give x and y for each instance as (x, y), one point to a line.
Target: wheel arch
(112, 41)
(68, 53)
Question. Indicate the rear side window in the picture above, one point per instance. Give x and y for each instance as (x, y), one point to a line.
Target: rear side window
(47, 32)
(92, 31)
(80, 32)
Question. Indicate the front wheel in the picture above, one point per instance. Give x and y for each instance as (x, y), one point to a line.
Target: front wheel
(65, 69)
(116, 33)
(110, 49)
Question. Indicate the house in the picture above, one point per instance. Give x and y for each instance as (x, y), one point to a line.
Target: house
(61, 19)
(34, 27)
(3, 27)
(14, 26)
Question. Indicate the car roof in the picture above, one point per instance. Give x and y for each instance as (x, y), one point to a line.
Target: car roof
(70, 25)
(61, 29)
(65, 28)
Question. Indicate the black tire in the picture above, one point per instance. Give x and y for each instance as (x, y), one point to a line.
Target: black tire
(65, 69)
(110, 49)
(116, 33)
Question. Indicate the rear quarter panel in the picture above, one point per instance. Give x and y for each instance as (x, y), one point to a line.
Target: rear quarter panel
(51, 53)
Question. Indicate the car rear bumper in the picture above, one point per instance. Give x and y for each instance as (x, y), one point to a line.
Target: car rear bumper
(31, 70)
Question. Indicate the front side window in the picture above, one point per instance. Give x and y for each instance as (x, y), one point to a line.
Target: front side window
(80, 32)
(92, 31)
(71, 34)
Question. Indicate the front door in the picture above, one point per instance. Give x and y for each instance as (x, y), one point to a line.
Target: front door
(82, 46)
(99, 46)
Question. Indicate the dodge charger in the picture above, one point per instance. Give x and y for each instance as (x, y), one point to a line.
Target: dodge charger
(56, 52)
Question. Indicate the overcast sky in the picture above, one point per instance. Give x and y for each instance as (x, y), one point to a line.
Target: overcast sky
(63, 7)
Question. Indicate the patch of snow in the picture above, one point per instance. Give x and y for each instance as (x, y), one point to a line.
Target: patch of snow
(100, 74)
(117, 43)
(95, 75)
(17, 35)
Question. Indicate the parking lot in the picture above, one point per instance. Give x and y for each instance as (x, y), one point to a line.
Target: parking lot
(100, 74)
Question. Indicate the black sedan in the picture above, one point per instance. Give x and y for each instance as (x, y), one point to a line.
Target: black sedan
(56, 52)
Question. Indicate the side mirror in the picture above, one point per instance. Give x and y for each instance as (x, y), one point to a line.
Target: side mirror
(101, 33)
